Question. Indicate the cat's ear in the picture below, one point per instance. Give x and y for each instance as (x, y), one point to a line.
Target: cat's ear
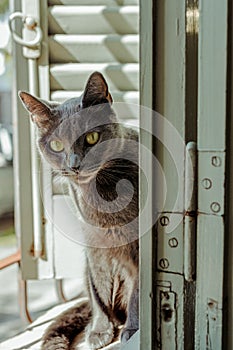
(96, 91)
(40, 111)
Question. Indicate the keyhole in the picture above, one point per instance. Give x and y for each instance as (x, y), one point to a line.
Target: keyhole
(167, 312)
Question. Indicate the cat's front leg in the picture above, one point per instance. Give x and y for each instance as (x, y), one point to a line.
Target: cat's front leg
(132, 322)
(100, 331)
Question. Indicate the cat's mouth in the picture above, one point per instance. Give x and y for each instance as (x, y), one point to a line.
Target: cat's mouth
(71, 172)
(82, 177)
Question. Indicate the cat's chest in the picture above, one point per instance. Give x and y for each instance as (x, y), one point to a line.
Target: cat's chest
(116, 261)
(95, 211)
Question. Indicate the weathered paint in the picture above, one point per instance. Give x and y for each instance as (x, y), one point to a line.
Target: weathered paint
(212, 60)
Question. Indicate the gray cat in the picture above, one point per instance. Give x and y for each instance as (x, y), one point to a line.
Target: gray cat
(84, 142)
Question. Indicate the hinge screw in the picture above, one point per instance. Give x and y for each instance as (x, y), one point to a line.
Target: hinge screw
(216, 161)
(206, 183)
(173, 243)
(215, 207)
(164, 263)
(164, 220)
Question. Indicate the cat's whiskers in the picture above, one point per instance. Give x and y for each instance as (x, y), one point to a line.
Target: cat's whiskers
(105, 169)
(58, 178)
(86, 177)
(113, 173)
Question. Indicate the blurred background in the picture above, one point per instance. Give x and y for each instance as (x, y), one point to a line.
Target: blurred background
(42, 295)
(8, 277)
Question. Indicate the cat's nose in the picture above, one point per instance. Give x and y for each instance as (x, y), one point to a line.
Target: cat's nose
(74, 162)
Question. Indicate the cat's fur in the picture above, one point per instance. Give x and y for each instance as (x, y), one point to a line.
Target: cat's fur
(93, 174)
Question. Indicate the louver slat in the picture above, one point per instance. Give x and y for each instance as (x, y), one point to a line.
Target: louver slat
(120, 96)
(93, 20)
(94, 48)
(122, 77)
(94, 2)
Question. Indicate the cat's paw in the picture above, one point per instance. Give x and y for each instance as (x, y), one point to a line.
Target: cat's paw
(55, 343)
(126, 334)
(97, 339)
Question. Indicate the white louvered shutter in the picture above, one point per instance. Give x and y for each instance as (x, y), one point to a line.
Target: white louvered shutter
(87, 36)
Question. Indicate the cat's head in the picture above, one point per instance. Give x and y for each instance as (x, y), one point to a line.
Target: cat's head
(73, 136)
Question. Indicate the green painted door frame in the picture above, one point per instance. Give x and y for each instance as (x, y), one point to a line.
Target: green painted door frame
(186, 72)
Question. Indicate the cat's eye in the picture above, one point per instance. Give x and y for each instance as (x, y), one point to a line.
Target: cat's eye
(92, 137)
(56, 146)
